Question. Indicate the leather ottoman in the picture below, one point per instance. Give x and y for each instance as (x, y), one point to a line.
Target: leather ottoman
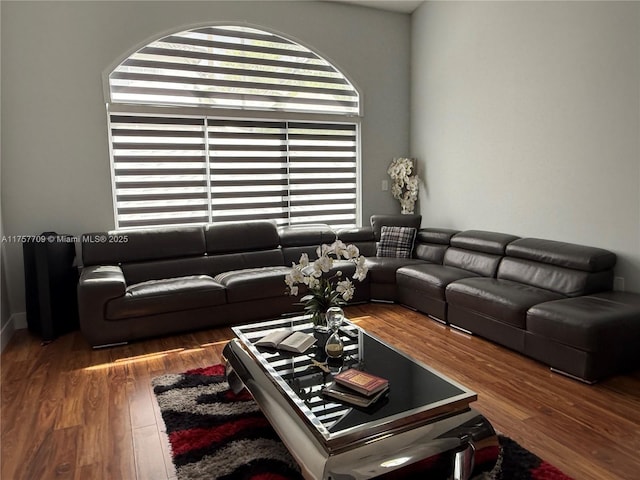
(589, 337)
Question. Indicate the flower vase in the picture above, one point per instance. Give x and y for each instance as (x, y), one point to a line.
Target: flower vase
(406, 211)
(319, 319)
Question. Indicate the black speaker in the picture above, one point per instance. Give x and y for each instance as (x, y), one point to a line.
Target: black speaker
(51, 280)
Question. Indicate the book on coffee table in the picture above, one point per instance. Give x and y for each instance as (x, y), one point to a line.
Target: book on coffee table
(344, 394)
(297, 342)
(362, 382)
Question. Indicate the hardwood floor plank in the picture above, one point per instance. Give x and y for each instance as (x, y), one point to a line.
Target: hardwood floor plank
(148, 450)
(64, 453)
(69, 411)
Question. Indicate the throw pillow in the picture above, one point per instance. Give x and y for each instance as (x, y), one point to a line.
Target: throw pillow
(396, 242)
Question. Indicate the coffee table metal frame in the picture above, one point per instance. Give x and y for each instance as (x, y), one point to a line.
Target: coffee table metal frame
(376, 444)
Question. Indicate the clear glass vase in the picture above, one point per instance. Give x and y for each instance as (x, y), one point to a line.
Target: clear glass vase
(319, 320)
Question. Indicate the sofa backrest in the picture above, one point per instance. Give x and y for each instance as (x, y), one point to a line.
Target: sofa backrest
(148, 254)
(478, 251)
(296, 240)
(432, 243)
(112, 248)
(361, 237)
(379, 221)
(157, 253)
(561, 267)
(240, 245)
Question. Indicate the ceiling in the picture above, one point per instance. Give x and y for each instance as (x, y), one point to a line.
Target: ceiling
(403, 6)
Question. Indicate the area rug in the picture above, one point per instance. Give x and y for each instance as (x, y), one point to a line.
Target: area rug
(216, 434)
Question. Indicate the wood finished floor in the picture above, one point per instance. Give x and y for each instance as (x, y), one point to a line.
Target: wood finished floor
(68, 411)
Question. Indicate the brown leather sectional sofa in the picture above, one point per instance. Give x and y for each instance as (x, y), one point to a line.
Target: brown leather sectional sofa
(549, 300)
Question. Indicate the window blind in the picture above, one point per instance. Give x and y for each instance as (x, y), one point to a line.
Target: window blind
(248, 165)
(232, 67)
(159, 170)
(187, 165)
(322, 170)
(177, 170)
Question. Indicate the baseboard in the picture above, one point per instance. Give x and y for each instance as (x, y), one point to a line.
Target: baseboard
(6, 334)
(16, 322)
(19, 320)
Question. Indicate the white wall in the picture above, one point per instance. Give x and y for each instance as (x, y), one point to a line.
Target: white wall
(526, 120)
(55, 150)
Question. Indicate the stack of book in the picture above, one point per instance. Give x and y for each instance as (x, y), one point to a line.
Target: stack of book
(357, 387)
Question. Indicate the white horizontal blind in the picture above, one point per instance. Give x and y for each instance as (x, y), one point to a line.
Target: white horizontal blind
(188, 168)
(159, 170)
(249, 178)
(177, 170)
(322, 172)
(232, 67)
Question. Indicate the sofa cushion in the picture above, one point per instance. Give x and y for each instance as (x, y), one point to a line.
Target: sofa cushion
(383, 269)
(432, 243)
(361, 237)
(430, 278)
(440, 236)
(138, 272)
(566, 281)
(143, 245)
(480, 263)
(253, 283)
(483, 241)
(296, 240)
(217, 264)
(166, 295)
(501, 300)
(569, 255)
(379, 221)
(305, 235)
(588, 323)
(232, 237)
(396, 242)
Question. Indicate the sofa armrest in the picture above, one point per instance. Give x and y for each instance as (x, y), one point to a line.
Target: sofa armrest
(97, 285)
(102, 281)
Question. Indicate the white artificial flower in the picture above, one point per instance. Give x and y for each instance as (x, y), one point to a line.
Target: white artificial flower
(313, 282)
(323, 264)
(304, 260)
(351, 252)
(361, 269)
(405, 186)
(296, 275)
(396, 190)
(323, 250)
(346, 289)
(338, 248)
(312, 274)
(412, 184)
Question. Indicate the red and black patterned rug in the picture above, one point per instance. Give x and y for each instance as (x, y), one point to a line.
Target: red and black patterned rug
(216, 434)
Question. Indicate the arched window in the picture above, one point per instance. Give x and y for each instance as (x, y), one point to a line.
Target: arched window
(232, 123)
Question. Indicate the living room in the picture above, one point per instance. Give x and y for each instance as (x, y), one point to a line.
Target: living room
(523, 117)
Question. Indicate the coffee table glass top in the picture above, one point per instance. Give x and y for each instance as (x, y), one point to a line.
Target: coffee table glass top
(416, 395)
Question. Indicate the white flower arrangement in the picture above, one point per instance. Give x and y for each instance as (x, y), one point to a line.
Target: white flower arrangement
(323, 293)
(405, 185)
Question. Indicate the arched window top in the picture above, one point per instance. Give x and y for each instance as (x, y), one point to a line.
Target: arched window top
(232, 67)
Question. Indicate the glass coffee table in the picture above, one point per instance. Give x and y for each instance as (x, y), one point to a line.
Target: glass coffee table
(423, 423)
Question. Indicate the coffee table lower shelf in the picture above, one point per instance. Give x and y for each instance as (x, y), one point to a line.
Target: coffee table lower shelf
(466, 437)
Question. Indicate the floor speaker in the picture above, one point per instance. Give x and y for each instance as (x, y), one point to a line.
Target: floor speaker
(51, 280)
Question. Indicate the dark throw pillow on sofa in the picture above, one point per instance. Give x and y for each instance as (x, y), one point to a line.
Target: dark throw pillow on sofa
(396, 242)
